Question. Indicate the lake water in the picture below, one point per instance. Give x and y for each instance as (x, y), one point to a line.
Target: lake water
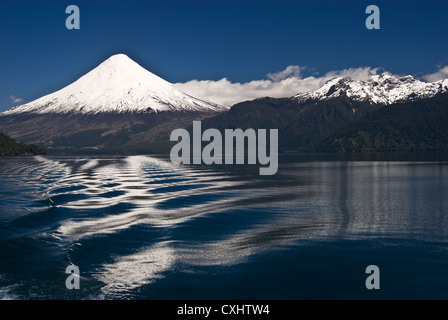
(139, 227)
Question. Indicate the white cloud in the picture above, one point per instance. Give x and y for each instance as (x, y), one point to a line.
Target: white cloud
(441, 74)
(290, 71)
(15, 99)
(286, 83)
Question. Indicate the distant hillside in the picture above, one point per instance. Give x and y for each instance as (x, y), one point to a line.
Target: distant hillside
(301, 125)
(9, 147)
(414, 126)
(102, 133)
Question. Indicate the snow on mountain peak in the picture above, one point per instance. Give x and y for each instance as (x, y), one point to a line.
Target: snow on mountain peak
(115, 86)
(381, 88)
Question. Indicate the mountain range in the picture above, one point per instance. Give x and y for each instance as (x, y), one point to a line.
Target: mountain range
(119, 107)
(308, 121)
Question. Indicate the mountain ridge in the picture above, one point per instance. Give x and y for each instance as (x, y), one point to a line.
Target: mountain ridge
(381, 88)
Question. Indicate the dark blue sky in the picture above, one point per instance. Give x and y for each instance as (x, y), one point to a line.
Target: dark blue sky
(209, 40)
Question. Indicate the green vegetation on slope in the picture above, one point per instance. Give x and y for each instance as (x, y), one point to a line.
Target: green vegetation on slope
(415, 126)
(9, 147)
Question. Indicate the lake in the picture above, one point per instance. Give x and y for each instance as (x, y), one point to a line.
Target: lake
(139, 227)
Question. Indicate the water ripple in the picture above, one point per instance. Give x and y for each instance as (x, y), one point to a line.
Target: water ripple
(129, 221)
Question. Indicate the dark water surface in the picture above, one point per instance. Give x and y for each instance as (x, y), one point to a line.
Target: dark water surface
(139, 227)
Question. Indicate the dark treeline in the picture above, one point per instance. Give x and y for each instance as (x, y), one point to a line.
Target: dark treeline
(9, 147)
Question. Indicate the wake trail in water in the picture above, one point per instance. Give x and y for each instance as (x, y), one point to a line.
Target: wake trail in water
(78, 206)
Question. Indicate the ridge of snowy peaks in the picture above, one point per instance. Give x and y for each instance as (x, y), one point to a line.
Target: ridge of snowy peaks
(117, 85)
(379, 89)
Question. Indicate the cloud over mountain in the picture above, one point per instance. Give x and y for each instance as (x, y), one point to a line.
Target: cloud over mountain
(440, 74)
(286, 83)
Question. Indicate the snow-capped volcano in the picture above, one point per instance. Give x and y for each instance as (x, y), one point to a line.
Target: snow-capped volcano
(381, 89)
(117, 85)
